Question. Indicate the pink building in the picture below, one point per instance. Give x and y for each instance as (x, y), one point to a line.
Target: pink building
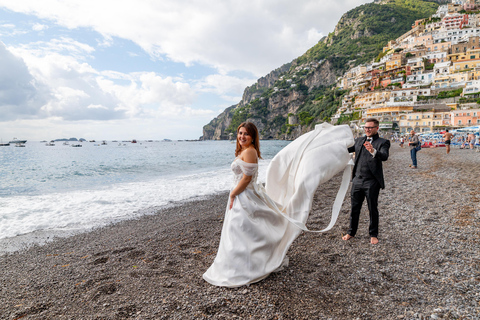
(455, 21)
(465, 118)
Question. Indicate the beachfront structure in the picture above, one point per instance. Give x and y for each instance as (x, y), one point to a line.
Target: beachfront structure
(465, 117)
(427, 118)
(388, 116)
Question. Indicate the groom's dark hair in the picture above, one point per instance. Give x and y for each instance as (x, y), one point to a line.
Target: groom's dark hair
(375, 121)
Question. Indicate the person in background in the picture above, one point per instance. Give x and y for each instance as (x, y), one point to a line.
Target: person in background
(413, 143)
(471, 140)
(448, 140)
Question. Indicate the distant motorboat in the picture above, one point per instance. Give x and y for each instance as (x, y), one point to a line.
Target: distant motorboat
(4, 144)
(66, 143)
(77, 145)
(134, 141)
(19, 144)
(50, 144)
(104, 143)
(15, 140)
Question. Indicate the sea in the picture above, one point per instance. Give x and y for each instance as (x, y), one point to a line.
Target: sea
(61, 190)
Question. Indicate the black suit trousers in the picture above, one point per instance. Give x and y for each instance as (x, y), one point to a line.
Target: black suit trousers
(361, 189)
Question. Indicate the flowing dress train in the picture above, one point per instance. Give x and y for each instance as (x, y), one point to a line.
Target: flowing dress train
(264, 222)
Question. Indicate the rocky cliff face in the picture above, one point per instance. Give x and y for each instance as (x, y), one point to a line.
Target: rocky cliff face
(278, 105)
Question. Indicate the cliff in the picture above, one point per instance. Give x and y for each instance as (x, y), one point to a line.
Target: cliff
(293, 98)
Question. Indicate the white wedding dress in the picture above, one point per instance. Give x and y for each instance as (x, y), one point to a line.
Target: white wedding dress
(264, 222)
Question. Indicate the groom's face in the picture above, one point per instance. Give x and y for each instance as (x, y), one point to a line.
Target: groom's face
(370, 129)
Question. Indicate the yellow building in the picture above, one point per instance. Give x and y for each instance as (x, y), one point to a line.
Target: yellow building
(455, 79)
(396, 61)
(426, 120)
(370, 99)
(388, 116)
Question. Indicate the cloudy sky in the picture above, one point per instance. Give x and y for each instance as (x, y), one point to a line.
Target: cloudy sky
(143, 69)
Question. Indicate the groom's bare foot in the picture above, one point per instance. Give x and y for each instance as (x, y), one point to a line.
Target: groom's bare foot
(347, 237)
(373, 240)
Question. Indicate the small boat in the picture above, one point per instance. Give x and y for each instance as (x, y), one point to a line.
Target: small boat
(4, 144)
(104, 143)
(66, 143)
(77, 145)
(50, 144)
(134, 141)
(15, 140)
(19, 144)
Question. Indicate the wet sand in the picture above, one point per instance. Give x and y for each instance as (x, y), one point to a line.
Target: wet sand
(427, 264)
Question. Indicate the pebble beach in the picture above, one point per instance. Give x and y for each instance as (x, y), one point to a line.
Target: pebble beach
(426, 265)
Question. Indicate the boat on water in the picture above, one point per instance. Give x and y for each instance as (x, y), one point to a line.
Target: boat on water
(50, 144)
(4, 144)
(77, 145)
(19, 144)
(15, 140)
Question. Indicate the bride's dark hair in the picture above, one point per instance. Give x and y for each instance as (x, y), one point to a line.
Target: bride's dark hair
(253, 132)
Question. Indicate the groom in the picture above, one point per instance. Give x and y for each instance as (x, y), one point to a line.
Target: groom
(370, 152)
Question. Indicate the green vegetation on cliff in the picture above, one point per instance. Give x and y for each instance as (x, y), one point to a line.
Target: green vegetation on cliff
(364, 31)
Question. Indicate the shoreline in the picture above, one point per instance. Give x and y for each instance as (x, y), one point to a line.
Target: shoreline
(25, 241)
(151, 267)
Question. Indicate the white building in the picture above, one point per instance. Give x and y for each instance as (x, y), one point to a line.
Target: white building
(454, 35)
(420, 79)
(471, 87)
(442, 68)
(442, 11)
(435, 57)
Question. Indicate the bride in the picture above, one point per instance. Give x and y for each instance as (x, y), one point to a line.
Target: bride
(261, 223)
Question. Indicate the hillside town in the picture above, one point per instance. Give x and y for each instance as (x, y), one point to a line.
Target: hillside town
(426, 80)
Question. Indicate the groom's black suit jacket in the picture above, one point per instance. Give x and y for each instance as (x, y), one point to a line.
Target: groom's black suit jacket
(374, 163)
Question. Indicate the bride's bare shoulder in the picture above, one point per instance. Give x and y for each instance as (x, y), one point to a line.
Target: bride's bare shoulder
(249, 155)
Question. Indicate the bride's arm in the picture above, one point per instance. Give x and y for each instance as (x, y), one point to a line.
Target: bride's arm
(249, 156)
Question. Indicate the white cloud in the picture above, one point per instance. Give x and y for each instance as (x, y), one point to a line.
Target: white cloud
(251, 35)
(39, 27)
(73, 90)
(20, 95)
(228, 87)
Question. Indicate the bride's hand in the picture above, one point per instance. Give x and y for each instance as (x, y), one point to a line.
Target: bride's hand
(232, 197)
